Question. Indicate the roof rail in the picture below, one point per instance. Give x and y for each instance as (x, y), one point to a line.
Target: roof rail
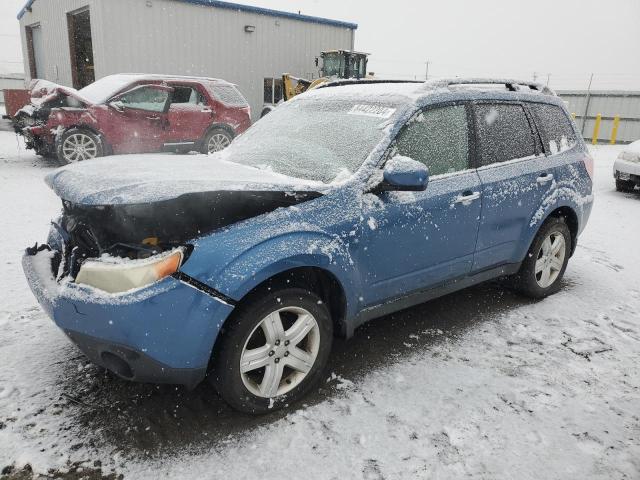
(510, 84)
(364, 81)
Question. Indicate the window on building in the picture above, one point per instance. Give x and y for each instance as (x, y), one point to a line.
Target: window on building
(504, 133)
(439, 138)
(555, 127)
(272, 90)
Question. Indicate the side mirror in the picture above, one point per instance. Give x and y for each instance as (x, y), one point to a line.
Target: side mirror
(404, 174)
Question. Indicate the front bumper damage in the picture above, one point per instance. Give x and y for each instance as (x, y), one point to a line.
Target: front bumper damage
(627, 170)
(163, 333)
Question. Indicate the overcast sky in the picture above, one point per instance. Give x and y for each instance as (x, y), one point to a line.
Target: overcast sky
(569, 39)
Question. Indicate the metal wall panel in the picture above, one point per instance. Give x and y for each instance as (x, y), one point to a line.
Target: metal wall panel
(609, 104)
(52, 18)
(173, 37)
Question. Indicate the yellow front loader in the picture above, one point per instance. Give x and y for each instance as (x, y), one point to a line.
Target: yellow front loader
(336, 64)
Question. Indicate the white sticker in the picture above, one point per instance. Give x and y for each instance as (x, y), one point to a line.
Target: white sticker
(372, 111)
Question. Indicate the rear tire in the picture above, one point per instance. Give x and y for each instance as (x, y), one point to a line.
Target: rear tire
(542, 270)
(78, 144)
(274, 349)
(215, 140)
(625, 185)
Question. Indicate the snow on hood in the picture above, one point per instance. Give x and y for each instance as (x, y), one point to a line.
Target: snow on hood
(633, 147)
(137, 179)
(631, 152)
(43, 91)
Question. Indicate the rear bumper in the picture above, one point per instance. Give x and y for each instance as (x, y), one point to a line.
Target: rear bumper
(161, 334)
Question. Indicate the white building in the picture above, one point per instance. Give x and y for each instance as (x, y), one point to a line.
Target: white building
(74, 42)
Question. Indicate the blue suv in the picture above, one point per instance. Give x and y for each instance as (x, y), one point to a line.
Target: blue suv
(344, 204)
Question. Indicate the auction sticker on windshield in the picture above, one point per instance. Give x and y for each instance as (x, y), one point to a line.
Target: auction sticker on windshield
(372, 111)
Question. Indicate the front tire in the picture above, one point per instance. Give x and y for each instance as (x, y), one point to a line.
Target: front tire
(78, 144)
(274, 350)
(542, 270)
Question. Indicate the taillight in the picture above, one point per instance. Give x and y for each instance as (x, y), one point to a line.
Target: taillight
(588, 164)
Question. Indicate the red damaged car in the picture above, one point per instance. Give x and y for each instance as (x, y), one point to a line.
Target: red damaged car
(132, 113)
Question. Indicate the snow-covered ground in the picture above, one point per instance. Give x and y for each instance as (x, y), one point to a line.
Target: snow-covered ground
(479, 384)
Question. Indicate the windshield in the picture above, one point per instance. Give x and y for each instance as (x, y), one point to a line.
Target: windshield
(103, 89)
(333, 65)
(316, 140)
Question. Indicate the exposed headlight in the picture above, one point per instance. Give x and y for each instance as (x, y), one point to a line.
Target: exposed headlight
(116, 275)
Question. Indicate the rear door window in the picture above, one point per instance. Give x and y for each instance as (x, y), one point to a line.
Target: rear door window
(504, 133)
(439, 138)
(555, 127)
(186, 96)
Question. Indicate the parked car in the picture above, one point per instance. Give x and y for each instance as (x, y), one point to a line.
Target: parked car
(347, 203)
(132, 113)
(626, 169)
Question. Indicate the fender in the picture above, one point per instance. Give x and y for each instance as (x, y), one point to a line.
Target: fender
(562, 195)
(236, 275)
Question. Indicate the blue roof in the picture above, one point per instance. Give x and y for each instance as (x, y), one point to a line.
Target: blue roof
(246, 8)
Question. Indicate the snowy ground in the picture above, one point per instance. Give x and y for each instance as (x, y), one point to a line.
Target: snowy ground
(478, 384)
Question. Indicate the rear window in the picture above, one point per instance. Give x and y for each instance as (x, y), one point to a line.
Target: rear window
(555, 127)
(229, 95)
(504, 133)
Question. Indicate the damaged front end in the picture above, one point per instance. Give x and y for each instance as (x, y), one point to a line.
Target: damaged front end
(150, 232)
(37, 122)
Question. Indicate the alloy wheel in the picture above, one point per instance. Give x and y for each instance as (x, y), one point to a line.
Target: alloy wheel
(78, 147)
(217, 142)
(550, 259)
(280, 352)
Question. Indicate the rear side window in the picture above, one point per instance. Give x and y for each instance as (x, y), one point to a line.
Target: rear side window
(439, 138)
(555, 127)
(229, 95)
(186, 95)
(504, 133)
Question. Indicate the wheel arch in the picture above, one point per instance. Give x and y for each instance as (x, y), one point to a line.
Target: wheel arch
(565, 212)
(106, 147)
(570, 217)
(319, 280)
(220, 125)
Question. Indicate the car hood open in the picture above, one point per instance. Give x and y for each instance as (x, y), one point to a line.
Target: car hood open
(150, 178)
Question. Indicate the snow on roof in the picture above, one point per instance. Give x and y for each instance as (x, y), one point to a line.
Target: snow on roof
(245, 8)
(380, 91)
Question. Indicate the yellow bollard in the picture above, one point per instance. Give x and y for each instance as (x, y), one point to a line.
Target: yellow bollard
(614, 130)
(596, 129)
(573, 115)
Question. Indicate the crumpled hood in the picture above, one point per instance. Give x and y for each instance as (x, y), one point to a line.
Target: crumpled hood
(148, 178)
(43, 91)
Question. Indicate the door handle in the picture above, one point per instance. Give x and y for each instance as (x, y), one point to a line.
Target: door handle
(155, 119)
(544, 178)
(467, 197)
(206, 110)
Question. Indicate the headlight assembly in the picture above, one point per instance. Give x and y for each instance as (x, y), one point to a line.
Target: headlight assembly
(116, 275)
